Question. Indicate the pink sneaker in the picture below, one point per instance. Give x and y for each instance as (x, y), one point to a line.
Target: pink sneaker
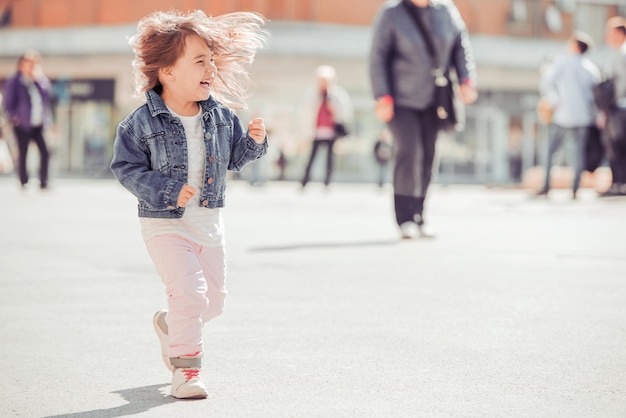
(160, 326)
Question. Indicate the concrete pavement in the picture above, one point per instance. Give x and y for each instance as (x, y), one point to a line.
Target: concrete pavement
(517, 309)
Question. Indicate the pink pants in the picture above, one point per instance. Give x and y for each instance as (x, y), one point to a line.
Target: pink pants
(194, 278)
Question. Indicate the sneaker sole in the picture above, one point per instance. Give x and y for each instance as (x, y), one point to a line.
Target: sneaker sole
(162, 339)
(201, 395)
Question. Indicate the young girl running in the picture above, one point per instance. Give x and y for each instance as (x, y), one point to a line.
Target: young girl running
(173, 152)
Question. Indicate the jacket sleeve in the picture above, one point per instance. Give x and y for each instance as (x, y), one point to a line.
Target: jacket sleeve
(462, 55)
(131, 166)
(9, 99)
(44, 83)
(380, 54)
(244, 149)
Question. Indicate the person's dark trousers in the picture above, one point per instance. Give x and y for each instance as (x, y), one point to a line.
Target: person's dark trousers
(620, 164)
(415, 134)
(329, 143)
(23, 137)
(579, 135)
(616, 156)
(408, 209)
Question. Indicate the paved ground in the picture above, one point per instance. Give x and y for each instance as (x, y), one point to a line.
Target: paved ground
(516, 310)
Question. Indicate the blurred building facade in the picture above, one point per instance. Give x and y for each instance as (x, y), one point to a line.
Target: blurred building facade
(86, 54)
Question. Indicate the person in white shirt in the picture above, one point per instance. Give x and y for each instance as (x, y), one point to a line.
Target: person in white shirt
(568, 86)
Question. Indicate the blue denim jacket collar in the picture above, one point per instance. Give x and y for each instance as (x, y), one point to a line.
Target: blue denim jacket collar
(157, 106)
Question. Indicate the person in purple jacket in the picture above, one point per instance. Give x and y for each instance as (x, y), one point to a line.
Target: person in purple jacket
(27, 107)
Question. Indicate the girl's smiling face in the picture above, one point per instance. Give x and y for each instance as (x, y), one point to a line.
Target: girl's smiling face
(189, 80)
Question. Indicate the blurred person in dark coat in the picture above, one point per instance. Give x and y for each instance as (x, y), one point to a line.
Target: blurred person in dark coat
(403, 84)
(27, 107)
(615, 37)
(383, 153)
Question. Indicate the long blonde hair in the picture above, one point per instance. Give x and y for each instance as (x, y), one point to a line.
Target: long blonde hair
(234, 39)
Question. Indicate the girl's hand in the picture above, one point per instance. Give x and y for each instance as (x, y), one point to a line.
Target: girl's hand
(185, 194)
(256, 130)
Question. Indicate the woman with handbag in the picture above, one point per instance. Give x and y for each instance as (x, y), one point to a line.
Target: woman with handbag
(415, 45)
(331, 110)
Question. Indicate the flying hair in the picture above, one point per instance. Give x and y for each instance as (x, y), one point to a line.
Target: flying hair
(233, 38)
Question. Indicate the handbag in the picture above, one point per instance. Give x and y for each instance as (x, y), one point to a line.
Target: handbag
(382, 151)
(340, 130)
(605, 99)
(445, 97)
(604, 94)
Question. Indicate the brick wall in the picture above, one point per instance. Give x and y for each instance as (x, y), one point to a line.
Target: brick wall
(58, 13)
(487, 17)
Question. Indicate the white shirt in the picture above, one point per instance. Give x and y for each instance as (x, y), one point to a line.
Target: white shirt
(199, 224)
(36, 103)
(569, 86)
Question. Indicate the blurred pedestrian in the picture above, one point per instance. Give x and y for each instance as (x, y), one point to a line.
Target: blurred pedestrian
(615, 139)
(383, 154)
(410, 36)
(172, 153)
(27, 106)
(331, 110)
(281, 164)
(568, 87)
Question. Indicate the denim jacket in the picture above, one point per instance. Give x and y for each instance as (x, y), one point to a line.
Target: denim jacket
(150, 155)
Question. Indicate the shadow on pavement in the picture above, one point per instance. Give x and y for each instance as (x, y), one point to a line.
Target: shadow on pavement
(318, 245)
(140, 399)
